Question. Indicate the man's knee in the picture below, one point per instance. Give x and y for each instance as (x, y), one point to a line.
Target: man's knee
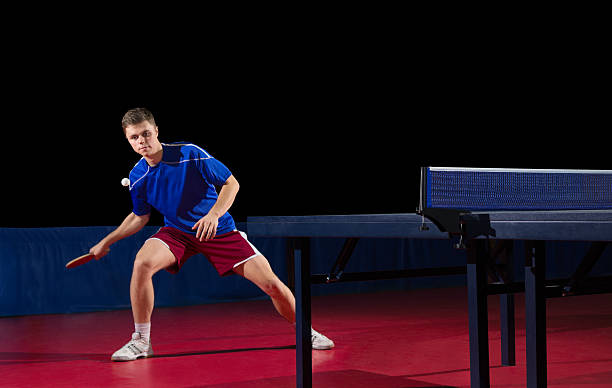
(149, 261)
(143, 263)
(273, 287)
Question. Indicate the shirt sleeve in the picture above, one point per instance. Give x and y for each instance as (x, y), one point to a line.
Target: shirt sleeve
(140, 206)
(213, 171)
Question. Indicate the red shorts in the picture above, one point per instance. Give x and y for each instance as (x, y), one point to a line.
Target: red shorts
(225, 251)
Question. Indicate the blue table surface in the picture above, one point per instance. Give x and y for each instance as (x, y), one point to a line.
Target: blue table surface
(582, 225)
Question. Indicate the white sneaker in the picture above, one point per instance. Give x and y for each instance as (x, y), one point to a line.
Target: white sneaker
(136, 348)
(319, 341)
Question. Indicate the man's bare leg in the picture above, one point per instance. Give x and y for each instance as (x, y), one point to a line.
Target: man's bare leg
(152, 257)
(259, 272)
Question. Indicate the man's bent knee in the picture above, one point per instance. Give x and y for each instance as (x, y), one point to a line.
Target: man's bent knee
(143, 264)
(152, 257)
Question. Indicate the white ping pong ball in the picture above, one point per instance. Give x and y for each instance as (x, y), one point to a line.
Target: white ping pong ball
(125, 182)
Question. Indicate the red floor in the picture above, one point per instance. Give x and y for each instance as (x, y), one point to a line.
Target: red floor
(394, 339)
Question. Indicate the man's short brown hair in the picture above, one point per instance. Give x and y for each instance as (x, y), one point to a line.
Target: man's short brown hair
(137, 116)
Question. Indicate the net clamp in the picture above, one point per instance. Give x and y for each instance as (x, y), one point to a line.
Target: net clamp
(472, 226)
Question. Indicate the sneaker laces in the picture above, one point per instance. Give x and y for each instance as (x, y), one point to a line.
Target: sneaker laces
(314, 334)
(135, 349)
(134, 342)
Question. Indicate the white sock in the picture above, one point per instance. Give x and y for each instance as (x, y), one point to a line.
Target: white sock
(144, 329)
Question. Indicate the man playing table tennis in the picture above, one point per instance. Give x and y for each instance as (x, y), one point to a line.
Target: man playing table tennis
(179, 181)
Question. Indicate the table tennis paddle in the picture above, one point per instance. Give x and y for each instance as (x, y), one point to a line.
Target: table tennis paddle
(80, 260)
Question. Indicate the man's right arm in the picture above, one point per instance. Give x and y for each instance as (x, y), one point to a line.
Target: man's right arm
(128, 227)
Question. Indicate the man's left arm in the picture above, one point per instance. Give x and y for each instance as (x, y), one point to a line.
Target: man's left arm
(207, 225)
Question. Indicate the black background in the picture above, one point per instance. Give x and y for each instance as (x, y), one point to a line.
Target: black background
(337, 123)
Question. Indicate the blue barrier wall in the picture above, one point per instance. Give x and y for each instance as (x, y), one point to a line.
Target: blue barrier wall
(34, 280)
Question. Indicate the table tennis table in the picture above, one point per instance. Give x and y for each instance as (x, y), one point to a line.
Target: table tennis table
(538, 206)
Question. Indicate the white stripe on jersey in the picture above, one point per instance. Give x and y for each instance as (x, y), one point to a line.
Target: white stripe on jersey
(144, 175)
(187, 160)
(180, 161)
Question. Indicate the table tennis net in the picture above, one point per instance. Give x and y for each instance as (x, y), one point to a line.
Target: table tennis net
(511, 189)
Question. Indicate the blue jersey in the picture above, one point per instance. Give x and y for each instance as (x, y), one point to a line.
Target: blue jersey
(181, 187)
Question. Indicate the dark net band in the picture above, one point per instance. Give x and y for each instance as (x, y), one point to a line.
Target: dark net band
(499, 189)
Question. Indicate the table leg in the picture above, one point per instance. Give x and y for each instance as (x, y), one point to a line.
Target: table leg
(506, 304)
(507, 329)
(302, 317)
(291, 244)
(477, 311)
(535, 313)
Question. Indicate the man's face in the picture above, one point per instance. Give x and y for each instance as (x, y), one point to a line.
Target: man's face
(143, 138)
